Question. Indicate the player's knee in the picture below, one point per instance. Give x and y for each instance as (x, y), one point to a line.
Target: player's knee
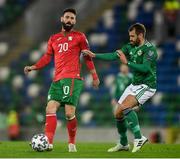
(50, 109)
(126, 111)
(70, 116)
(118, 114)
(120, 119)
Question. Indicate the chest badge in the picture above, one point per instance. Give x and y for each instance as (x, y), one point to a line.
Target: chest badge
(139, 52)
(70, 38)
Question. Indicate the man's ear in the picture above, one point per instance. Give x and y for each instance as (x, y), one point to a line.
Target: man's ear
(141, 35)
(75, 21)
(61, 19)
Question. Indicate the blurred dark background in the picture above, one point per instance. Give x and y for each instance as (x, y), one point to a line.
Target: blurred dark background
(25, 26)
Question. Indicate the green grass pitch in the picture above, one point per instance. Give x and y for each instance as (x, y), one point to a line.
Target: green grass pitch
(88, 150)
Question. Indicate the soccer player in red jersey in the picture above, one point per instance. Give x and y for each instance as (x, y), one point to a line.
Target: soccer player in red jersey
(65, 48)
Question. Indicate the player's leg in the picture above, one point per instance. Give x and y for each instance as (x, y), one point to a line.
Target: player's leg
(71, 127)
(54, 98)
(126, 107)
(51, 121)
(122, 145)
(140, 94)
(131, 116)
(122, 125)
(72, 90)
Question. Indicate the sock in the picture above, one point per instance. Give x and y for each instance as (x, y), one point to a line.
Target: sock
(50, 126)
(121, 125)
(134, 124)
(72, 128)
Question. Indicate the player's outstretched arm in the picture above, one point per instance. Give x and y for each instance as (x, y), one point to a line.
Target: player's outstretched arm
(88, 53)
(28, 69)
(43, 61)
(103, 56)
(122, 57)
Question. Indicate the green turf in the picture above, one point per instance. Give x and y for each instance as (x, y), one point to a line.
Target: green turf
(87, 150)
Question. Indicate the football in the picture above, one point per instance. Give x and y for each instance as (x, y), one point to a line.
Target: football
(39, 142)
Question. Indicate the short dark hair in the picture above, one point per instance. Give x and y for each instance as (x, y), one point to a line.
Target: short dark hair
(139, 28)
(72, 10)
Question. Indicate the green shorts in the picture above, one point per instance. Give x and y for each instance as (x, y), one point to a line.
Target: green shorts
(66, 91)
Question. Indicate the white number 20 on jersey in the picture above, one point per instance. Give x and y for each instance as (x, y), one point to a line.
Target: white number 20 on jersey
(63, 47)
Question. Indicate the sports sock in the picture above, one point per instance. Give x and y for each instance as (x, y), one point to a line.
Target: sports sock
(134, 124)
(121, 125)
(72, 128)
(50, 126)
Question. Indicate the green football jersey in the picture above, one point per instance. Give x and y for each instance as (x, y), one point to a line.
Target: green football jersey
(120, 84)
(145, 54)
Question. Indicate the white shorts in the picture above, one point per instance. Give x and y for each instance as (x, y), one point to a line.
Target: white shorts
(141, 92)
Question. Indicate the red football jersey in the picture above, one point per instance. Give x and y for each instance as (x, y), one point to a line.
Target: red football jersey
(66, 52)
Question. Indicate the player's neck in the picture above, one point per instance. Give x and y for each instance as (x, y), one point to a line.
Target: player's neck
(64, 32)
(142, 42)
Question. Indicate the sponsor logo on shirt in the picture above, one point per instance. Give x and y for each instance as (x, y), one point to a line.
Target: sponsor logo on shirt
(64, 97)
(59, 39)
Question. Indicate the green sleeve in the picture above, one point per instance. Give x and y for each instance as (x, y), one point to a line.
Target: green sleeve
(149, 57)
(107, 56)
(125, 48)
(145, 67)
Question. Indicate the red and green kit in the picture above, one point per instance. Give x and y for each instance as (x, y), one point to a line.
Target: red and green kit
(65, 50)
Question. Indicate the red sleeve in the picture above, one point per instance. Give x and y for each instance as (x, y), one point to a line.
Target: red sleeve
(46, 58)
(90, 65)
(84, 45)
(89, 62)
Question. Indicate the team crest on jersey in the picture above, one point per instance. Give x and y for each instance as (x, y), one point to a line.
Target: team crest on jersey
(139, 52)
(70, 38)
(150, 53)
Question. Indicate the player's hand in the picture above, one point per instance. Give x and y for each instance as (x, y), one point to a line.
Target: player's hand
(114, 102)
(122, 57)
(96, 83)
(28, 69)
(88, 53)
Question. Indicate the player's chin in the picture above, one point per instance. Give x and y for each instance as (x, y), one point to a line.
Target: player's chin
(132, 43)
(68, 25)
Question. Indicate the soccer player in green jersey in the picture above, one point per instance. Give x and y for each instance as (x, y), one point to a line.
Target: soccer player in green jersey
(123, 79)
(140, 55)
